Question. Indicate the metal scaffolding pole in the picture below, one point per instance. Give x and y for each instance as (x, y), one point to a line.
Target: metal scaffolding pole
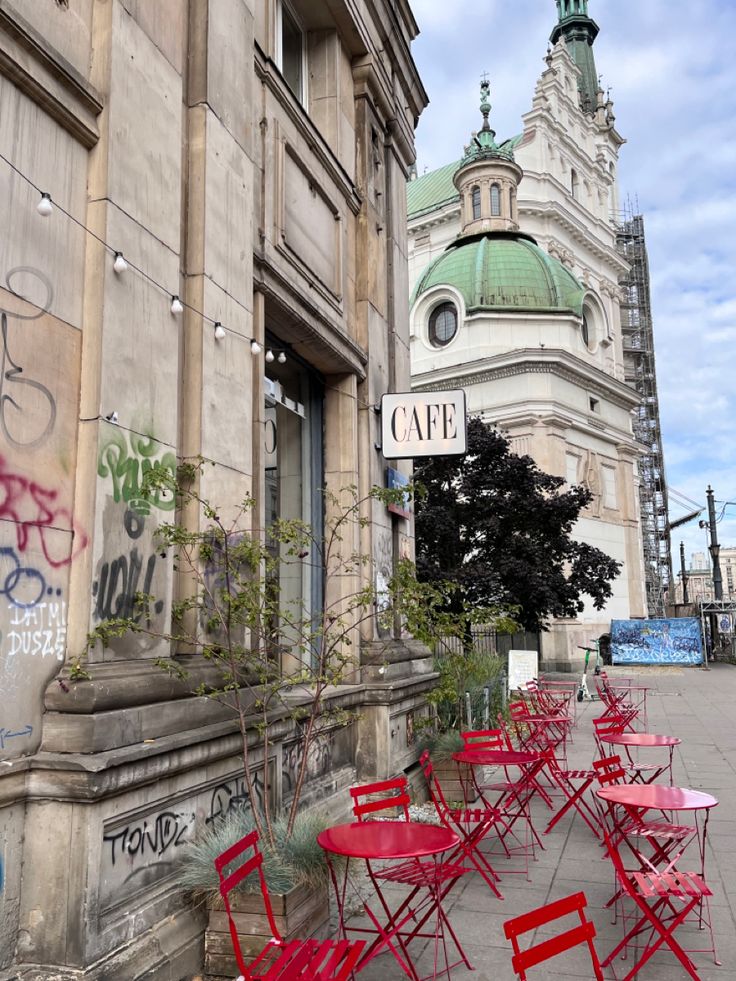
(640, 372)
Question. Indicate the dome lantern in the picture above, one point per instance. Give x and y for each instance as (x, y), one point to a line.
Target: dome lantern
(487, 180)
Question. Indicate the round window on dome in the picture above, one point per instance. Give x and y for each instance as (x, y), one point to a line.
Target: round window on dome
(442, 324)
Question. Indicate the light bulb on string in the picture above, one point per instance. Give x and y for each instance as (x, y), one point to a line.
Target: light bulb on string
(269, 356)
(176, 306)
(220, 331)
(281, 358)
(255, 347)
(120, 265)
(44, 206)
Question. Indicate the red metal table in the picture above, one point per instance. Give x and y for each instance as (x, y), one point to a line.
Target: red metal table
(515, 795)
(389, 841)
(645, 740)
(637, 798)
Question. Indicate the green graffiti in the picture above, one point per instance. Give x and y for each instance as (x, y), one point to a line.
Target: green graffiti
(126, 461)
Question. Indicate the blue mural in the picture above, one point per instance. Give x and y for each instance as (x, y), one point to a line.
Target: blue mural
(656, 641)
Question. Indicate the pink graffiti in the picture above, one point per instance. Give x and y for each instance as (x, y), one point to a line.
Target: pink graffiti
(32, 507)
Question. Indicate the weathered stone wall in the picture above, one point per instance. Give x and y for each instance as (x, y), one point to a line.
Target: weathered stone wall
(167, 129)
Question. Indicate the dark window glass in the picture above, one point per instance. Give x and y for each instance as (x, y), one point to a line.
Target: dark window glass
(476, 202)
(585, 330)
(495, 200)
(442, 324)
(292, 47)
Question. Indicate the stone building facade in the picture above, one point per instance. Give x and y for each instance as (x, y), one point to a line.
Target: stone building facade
(248, 157)
(518, 238)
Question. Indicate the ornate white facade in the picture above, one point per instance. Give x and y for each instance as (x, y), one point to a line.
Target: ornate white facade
(551, 379)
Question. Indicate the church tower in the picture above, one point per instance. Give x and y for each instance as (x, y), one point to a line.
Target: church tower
(579, 32)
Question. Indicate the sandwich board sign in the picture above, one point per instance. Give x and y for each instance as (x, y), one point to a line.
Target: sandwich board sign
(523, 667)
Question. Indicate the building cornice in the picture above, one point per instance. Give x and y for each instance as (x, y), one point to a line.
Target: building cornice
(531, 361)
(42, 74)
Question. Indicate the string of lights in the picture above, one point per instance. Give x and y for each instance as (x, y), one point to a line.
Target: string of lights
(122, 263)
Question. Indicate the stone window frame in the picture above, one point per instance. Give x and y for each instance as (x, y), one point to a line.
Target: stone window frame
(475, 202)
(495, 200)
(437, 309)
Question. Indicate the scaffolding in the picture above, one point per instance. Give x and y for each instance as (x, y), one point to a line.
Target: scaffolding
(639, 371)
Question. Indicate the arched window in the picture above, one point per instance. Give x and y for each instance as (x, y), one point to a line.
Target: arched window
(512, 203)
(585, 330)
(476, 202)
(573, 183)
(495, 200)
(442, 324)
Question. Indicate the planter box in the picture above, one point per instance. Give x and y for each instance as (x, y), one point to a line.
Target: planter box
(447, 774)
(302, 913)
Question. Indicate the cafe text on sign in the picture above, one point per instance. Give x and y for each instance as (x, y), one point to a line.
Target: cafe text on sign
(417, 424)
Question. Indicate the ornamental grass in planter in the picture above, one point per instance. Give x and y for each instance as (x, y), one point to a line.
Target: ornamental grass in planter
(296, 874)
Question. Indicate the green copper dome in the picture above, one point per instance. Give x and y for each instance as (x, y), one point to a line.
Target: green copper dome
(501, 271)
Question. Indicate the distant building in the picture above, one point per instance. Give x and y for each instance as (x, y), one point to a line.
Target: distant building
(515, 267)
(700, 577)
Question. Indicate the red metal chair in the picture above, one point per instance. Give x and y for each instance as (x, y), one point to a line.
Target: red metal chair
(472, 824)
(280, 960)
(392, 796)
(574, 936)
(663, 901)
(573, 784)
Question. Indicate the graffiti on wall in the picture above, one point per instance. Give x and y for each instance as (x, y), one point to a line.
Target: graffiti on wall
(39, 536)
(125, 458)
(27, 406)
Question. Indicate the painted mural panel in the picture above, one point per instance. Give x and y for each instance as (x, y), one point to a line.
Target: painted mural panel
(39, 539)
(656, 641)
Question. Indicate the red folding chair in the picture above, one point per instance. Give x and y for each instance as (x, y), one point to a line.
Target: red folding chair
(604, 727)
(376, 799)
(471, 824)
(573, 784)
(663, 902)
(280, 960)
(627, 825)
(577, 935)
(618, 710)
(624, 690)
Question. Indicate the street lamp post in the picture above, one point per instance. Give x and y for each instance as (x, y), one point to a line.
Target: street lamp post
(683, 573)
(714, 548)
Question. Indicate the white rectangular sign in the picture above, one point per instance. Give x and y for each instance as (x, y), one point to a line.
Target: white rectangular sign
(416, 424)
(523, 667)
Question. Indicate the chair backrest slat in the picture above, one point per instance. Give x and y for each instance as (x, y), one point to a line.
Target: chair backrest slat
(383, 796)
(581, 933)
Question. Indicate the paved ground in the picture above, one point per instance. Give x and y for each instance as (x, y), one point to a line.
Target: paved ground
(698, 706)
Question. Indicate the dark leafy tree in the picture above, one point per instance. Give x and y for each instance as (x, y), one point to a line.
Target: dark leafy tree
(501, 528)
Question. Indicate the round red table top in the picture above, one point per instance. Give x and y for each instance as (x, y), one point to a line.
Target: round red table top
(495, 757)
(387, 839)
(658, 796)
(640, 739)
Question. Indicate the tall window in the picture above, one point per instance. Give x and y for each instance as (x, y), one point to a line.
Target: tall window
(294, 474)
(574, 183)
(495, 200)
(476, 202)
(292, 50)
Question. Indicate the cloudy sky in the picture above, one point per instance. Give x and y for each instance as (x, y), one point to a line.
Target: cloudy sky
(671, 68)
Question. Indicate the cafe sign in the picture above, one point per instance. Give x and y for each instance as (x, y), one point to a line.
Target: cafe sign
(417, 424)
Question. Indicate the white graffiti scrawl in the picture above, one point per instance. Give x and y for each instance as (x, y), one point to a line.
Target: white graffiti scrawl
(38, 631)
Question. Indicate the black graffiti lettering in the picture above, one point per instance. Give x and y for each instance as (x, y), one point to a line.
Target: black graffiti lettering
(168, 831)
(118, 586)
